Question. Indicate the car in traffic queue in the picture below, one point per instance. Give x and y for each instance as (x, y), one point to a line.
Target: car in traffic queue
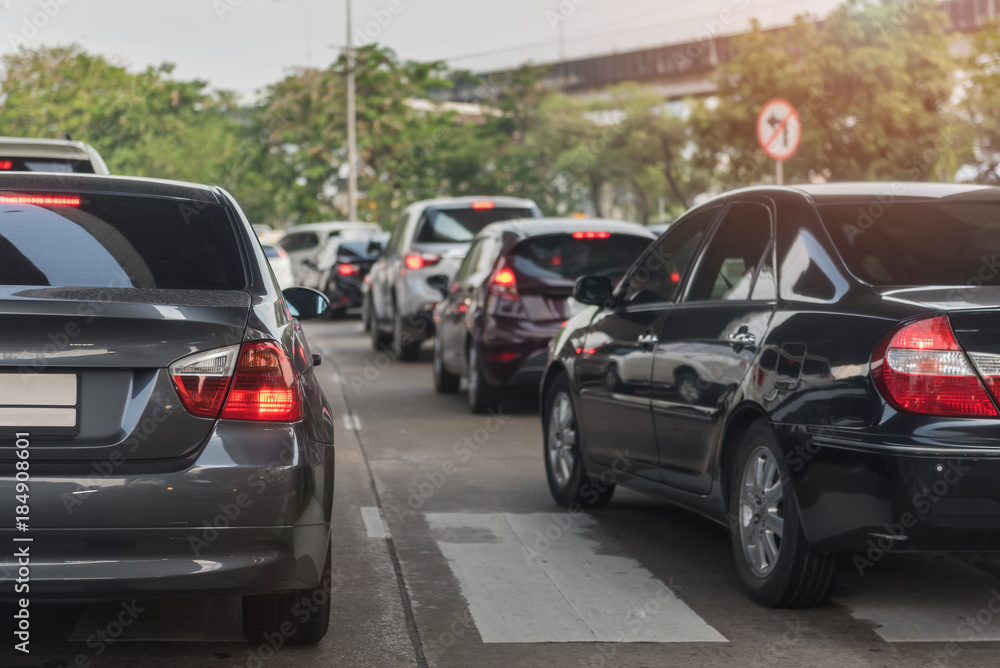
(351, 262)
(24, 154)
(430, 238)
(512, 294)
(281, 264)
(816, 368)
(159, 412)
(302, 242)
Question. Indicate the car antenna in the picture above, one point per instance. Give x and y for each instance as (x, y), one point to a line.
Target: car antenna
(67, 136)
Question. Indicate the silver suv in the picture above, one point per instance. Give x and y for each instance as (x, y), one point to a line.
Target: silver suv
(430, 239)
(19, 154)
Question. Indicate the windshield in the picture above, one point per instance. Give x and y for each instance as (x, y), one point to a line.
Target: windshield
(461, 225)
(117, 241)
(916, 244)
(563, 258)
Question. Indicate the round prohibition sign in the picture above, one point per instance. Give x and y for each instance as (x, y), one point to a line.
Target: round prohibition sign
(779, 129)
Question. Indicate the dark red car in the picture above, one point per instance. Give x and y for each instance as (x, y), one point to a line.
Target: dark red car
(512, 294)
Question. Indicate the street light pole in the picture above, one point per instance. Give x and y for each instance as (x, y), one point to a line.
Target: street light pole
(352, 130)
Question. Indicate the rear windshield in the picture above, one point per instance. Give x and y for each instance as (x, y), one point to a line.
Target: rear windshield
(461, 225)
(117, 241)
(917, 244)
(81, 166)
(357, 250)
(562, 258)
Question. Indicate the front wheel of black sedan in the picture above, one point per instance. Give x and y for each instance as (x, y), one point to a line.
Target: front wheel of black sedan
(774, 561)
(290, 618)
(568, 481)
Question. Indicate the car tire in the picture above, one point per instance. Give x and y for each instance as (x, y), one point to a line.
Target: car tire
(569, 483)
(483, 395)
(265, 615)
(380, 340)
(409, 351)
(773, 559)
(366, 314)
(445, 382)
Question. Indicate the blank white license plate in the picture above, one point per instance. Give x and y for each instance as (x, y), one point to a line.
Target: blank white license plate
(38, 400)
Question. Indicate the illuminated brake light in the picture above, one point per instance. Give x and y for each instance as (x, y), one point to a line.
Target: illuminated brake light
(507, 356)
(265, 387)
(347, 270)
(920, 368)
(254, 381)
(483, 205)
(40, 200)
(504, 284)
(415, 261)
(6, 164)
(591, 235)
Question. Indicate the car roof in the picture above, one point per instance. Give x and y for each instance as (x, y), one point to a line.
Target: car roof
(332, 225)
(97, 183)
(534, 227)
(503, 201)
(44, 148)
(868, 190)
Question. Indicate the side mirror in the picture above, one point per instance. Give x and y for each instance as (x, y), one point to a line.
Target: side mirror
(441, 283)
(593, 290)
(374, 247)
(305, 303)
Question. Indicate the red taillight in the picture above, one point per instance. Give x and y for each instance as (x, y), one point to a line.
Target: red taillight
(40, 200)
(504, 356)
(416, 261)
(264, 387)
(591, 235)
(346, 270)
(504, 284)
(257, 377)
(6, 164)
(921, 369)
(483, 205)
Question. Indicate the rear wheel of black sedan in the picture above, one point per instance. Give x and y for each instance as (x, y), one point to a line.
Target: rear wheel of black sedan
(776, 564)
(483, 395)
(568, 481)
(290, 618)
(445, 382)
(409, 350)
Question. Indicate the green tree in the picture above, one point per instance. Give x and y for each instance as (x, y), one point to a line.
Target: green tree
(872, 85)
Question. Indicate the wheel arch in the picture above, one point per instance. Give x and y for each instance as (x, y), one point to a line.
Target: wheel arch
(737, 426)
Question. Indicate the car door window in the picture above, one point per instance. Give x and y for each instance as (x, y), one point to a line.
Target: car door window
(658, 275)
(729, 264)
(397, 234)
(469, 263)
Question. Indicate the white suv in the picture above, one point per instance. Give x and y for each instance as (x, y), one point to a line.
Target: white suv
(430, 239)
(19, 154)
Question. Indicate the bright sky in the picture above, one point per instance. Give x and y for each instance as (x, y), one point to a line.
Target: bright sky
(244, 44)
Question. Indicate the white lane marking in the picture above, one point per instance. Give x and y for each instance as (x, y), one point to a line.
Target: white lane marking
(374, 524)
(535, 578)
(352, 422)
(917, 599)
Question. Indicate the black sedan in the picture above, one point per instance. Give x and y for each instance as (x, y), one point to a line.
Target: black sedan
(817, 368)
(511, 296)
(162, 431)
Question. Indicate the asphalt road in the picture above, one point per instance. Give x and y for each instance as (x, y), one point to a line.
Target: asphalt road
(448, 551)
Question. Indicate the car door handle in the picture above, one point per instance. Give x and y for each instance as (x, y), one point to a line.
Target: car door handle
(742, 340)
(648, 340)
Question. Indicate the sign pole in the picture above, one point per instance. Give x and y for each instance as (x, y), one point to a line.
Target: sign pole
(779, 172)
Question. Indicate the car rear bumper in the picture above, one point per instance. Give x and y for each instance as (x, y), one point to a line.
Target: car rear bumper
(858, 494)
(525, 343)
(249, 514)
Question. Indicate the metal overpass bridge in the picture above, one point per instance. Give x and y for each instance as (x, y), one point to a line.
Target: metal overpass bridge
(675, 70)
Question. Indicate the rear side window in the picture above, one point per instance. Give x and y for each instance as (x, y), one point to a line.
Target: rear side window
(730, 262)
(917, 244)
(357, 250)
(461, 225)
(562, 258)
(117, 241)
(12, 164)
(271, 251)
(300, 241)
